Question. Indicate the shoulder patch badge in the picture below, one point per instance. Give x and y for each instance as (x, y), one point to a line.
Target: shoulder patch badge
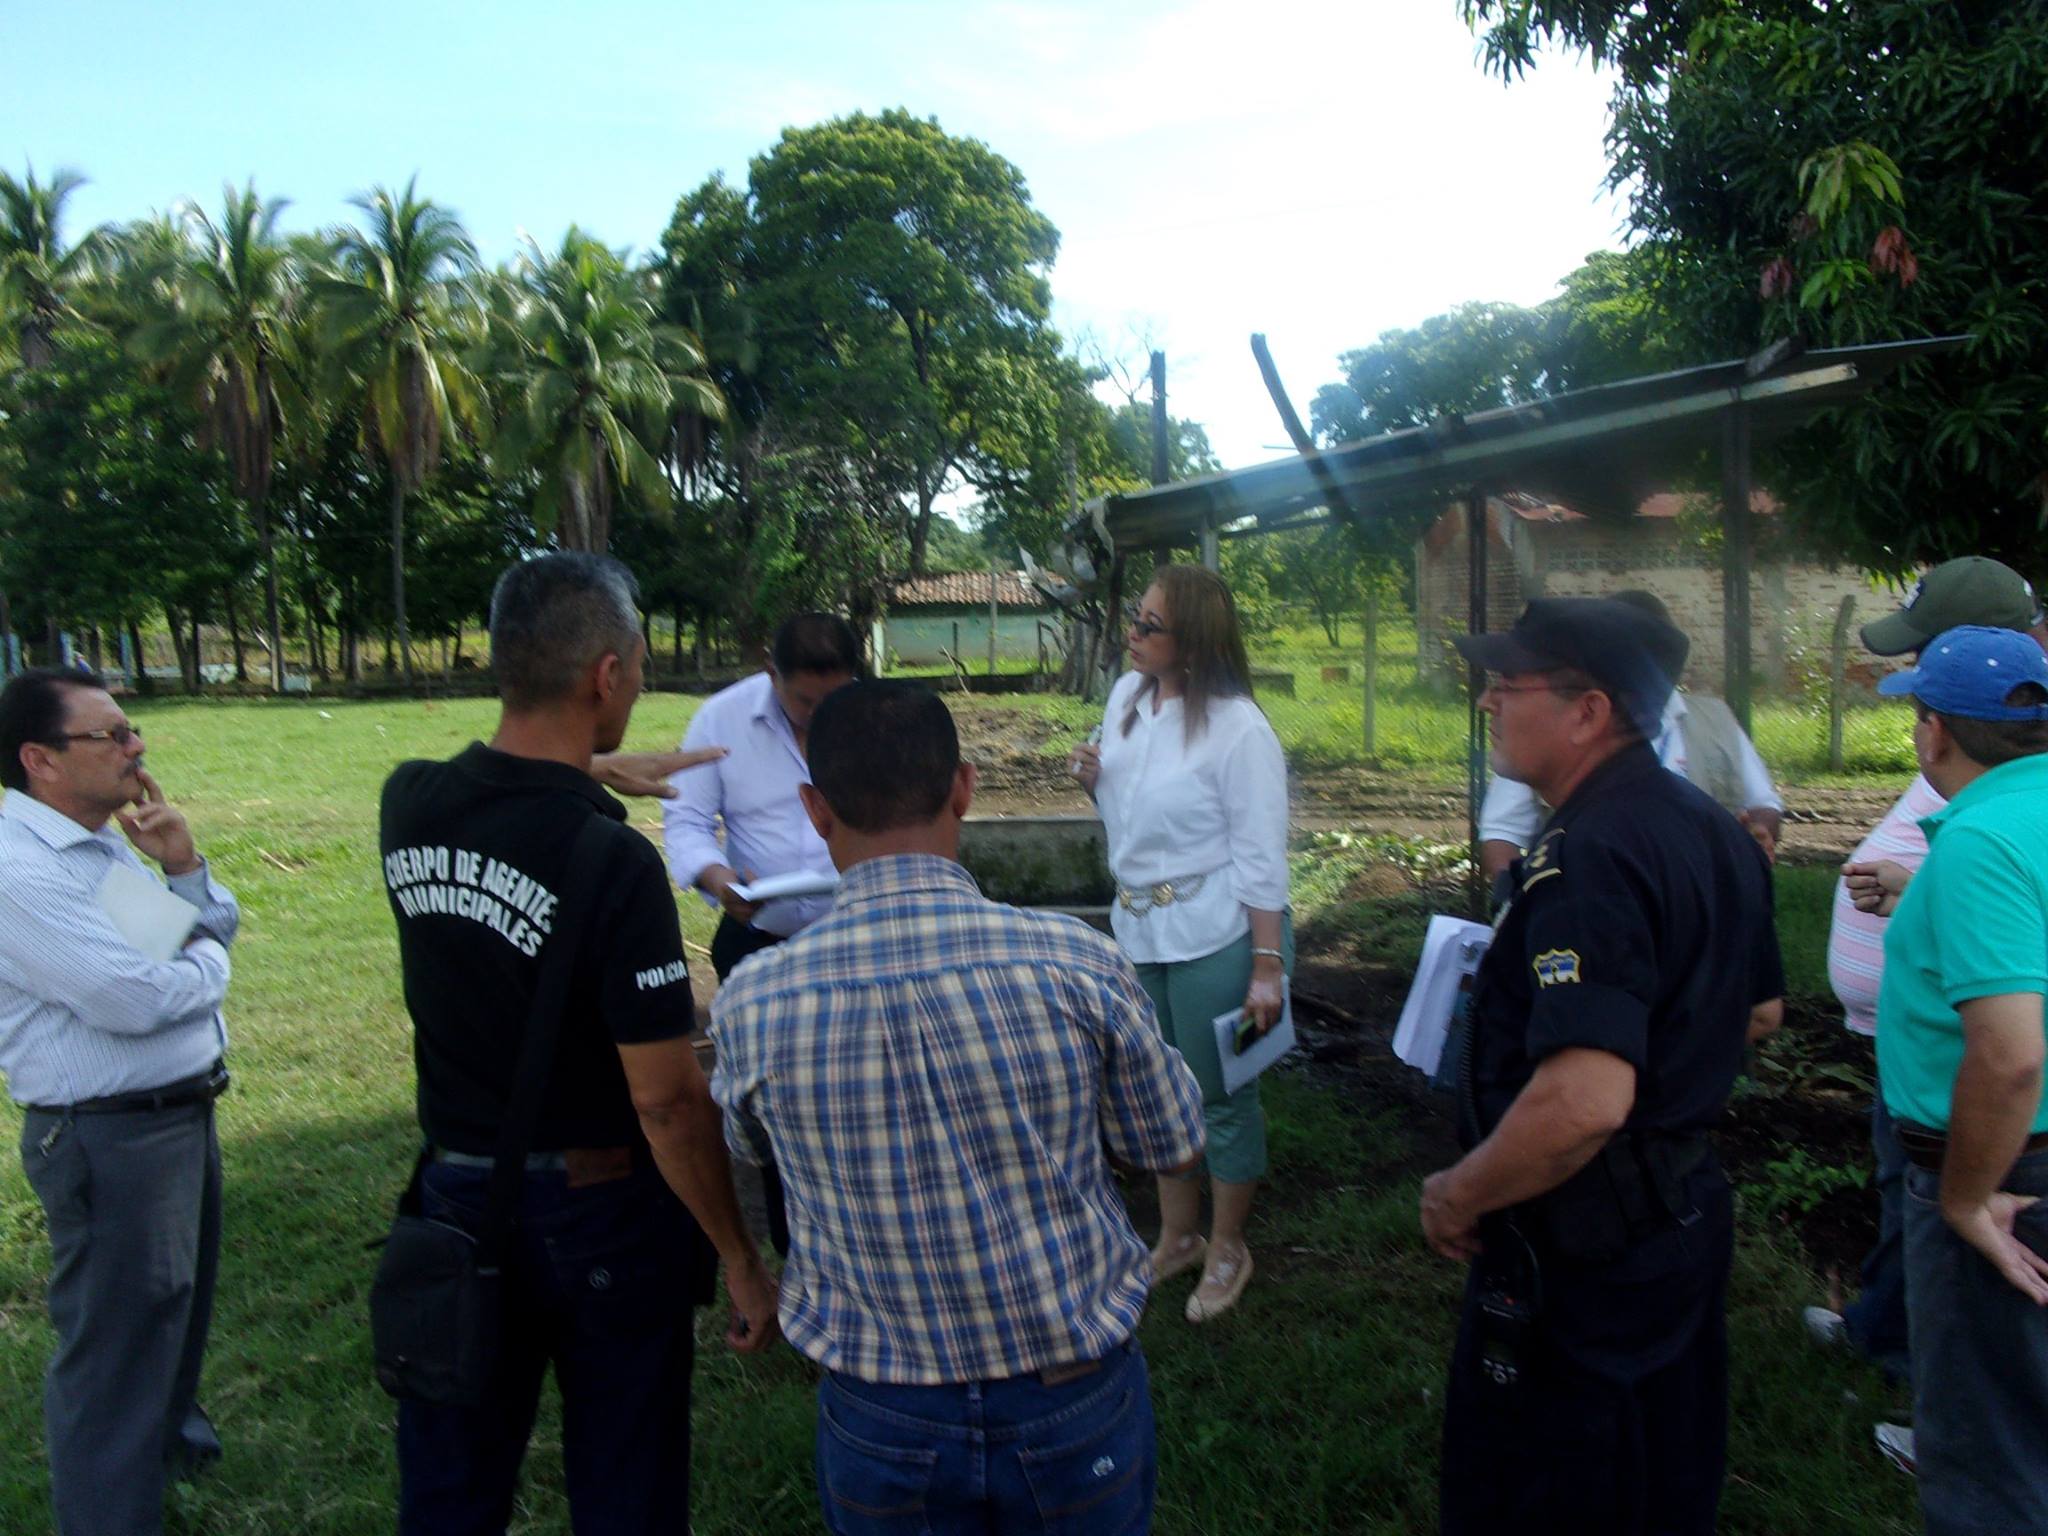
(1554, 967)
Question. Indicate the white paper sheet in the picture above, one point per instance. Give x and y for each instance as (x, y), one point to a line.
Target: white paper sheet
(803, 882)
(1261, 1053)
(148, 916)
(1451, 951)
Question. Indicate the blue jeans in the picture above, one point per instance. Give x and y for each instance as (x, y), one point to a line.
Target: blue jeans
(1980, 1368)
(1876, 1319)
(994, 1458)
(600, 1282)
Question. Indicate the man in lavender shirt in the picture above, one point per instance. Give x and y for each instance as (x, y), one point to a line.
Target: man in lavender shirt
(764, 722)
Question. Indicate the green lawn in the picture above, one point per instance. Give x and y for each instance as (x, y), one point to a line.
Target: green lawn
(1313, 1409)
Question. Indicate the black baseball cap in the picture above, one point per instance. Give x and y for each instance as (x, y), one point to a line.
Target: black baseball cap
(1632, 654)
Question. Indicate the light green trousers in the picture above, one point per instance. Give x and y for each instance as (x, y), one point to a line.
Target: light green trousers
(1188, 995)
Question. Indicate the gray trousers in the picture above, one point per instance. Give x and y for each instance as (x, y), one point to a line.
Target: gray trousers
(133, 1203)
(1980, 1369)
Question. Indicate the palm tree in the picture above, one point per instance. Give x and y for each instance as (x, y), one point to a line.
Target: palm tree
(397, 324)
(592, 383)
(228, 338)
(38, 275)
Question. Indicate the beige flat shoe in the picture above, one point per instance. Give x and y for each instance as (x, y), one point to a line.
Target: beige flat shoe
(1186, 1255)
(1222, 1283)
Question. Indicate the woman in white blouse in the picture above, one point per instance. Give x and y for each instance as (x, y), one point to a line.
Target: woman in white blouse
(1193, 793)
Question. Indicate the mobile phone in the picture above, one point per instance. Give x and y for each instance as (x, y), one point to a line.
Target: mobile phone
(1247, 1033)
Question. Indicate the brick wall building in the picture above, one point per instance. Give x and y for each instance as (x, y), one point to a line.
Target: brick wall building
(1537, 548)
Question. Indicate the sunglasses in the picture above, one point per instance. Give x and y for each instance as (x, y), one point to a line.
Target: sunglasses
(119, 735)
(1143, 628)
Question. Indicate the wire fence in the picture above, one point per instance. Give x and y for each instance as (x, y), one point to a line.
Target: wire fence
(1341, 691)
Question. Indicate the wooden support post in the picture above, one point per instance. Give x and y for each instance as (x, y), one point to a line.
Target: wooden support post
(1212, 554)
(994, 574)
(1475, 722)
(1838, 668)
(1161, 467)
(1372, 671)
(1736, 550)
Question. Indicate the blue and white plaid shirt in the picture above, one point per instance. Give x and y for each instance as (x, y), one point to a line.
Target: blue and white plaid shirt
(936, 1074)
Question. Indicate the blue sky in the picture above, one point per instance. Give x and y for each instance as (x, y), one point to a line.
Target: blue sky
(1320, 170)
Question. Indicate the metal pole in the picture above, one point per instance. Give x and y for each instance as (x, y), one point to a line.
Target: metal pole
(1212, 555)
(1161, 470)
(1475, 722)
(1736, 550)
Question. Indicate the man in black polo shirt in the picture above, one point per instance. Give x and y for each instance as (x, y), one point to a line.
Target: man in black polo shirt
(1588, 1385)
(605, 1266)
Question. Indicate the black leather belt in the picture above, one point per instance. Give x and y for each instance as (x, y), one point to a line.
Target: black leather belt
(1929, 1149)
(206, 1087)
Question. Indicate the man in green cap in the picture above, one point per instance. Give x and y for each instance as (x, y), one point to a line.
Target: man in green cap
(1972, 590)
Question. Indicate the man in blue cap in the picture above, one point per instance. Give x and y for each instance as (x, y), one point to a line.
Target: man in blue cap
(1960, 1053)
(1588, 1384)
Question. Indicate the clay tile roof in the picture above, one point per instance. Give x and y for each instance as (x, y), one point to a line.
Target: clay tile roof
(956, 589)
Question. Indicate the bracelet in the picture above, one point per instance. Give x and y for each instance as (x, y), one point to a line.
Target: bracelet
(1257, 951)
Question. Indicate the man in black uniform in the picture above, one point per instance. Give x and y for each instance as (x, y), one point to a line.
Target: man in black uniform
(604, 1265)
(1588, 1386)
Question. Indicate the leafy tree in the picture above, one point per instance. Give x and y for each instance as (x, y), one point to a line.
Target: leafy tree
(108, 508)
(398, 327)
(1474, 358)
(592, 383)
(227, 340)
(1848, 174)
(892, 283)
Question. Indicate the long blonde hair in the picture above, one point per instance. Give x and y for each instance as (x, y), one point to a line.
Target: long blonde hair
(1207, 641)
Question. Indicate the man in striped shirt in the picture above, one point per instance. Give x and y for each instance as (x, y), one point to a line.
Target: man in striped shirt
(115, 1055)
(937, 1074)
(1972, 590)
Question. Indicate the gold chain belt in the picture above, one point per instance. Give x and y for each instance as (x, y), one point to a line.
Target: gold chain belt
(1144, 898)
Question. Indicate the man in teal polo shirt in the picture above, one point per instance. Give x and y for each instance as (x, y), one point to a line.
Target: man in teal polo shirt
(1960, 1052)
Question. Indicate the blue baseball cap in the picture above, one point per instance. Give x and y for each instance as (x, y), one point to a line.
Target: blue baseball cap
(1971, 671)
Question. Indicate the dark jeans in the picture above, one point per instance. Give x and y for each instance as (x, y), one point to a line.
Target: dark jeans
(1619, 1424)
(600, 1282)
(731, 943)
(991, 1458)
(133, 1203)
(1980, 1368)
(1876, 1319)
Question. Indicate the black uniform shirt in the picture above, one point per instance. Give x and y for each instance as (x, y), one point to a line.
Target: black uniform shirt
(476, 855)
(1641, 925)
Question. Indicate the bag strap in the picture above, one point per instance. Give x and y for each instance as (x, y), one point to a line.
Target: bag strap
(537, 1046)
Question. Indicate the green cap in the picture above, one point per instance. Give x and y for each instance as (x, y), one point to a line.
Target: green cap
(1973, 590)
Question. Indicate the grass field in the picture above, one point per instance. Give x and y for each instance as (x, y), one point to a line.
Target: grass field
(1315, 1408)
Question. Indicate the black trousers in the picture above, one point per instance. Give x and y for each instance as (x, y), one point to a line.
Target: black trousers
(730, 944)
(1619, 1423)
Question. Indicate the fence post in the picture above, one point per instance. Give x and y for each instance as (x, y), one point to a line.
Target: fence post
(1372, 671)
(993, 572)
(1838, 665)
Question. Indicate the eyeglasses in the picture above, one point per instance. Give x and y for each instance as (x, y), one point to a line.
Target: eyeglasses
(1143, 628)
(1495, 685)
(119, 735)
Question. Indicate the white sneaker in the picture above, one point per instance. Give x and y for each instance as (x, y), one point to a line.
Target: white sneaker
(1896, 1441)
(1826, 1327)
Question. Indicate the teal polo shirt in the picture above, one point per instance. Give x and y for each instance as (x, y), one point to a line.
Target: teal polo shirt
(1974, 923)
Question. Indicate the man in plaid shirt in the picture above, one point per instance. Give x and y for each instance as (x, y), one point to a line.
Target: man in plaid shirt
(936, 1075)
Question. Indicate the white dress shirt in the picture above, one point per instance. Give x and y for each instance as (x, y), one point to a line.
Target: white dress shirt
(752, 790)
(1511, 813)
(1173, 809)
(83, 1013)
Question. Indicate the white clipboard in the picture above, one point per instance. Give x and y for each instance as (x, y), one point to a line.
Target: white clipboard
(803, 882)
(1451, 951)
(151, 918)
(1241, 1068)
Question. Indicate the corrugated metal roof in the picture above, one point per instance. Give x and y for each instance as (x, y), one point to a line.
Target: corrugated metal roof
(968, 589)
(1597, 450)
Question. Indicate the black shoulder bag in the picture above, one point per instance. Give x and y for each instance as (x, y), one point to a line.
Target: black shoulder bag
(436, 1303)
